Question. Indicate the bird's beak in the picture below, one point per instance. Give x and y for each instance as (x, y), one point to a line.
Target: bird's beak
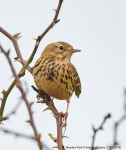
(75, 50)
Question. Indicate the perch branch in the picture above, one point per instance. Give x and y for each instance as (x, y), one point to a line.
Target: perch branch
(100, 128)
(58, 117)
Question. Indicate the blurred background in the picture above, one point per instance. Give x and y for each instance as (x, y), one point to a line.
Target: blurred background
(98, 28)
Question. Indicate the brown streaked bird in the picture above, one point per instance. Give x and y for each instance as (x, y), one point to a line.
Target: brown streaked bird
(54, 73)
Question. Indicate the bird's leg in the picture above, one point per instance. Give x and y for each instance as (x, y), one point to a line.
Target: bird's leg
(66, 114)
(40, 94)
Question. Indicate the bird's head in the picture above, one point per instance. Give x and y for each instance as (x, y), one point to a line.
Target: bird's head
(60, 50)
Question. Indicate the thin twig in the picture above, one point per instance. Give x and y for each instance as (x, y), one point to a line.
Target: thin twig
(100, 128)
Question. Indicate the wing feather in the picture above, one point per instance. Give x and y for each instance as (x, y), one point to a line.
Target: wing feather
(76, 80)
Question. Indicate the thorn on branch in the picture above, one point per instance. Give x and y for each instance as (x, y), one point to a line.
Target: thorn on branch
(65, 137)
(3, 92)
(55, 10)
(48, 108)
(17, 59)
(31, 104)
(101, 128)
(28, 121)
(17, 36)
(93, 128)
(56, 21)
(35, 39)
(8, 52)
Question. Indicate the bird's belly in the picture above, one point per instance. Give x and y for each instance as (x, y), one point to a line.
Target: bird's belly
(55, 88)
(59, 88)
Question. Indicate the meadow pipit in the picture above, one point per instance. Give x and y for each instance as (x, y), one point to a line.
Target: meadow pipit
(54, 73)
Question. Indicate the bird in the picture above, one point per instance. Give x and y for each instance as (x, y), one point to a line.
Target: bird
(55, 75)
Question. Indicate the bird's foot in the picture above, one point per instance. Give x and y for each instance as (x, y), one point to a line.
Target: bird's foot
(40, 95)
(64, 118)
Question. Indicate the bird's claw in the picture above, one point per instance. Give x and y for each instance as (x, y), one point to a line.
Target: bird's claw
(65, 119)
(38, 96)
(64, 116)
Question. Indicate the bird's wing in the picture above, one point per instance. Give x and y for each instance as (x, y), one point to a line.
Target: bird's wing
(76, 80)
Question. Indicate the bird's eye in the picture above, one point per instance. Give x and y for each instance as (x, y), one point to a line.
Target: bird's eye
(61, 47)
